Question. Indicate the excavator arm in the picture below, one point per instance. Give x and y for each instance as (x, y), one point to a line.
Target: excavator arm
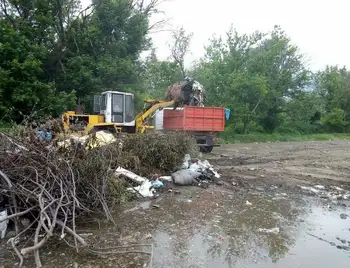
(151, 106)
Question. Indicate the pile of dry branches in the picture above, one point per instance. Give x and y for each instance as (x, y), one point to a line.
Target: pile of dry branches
(53, 187)
(158, 151)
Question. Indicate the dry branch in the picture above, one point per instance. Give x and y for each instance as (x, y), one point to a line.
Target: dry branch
(53, 187)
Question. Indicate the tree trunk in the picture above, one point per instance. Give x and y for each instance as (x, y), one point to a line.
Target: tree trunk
(245, 126)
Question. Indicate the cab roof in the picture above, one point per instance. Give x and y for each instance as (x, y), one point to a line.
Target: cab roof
(117, 92)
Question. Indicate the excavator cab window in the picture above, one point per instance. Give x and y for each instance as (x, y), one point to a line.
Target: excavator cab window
(103, 102)
(97, 104)
(117, 108)
(129, 108)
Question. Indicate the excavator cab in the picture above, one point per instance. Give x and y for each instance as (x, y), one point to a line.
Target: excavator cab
(114, 111)
(116, 107)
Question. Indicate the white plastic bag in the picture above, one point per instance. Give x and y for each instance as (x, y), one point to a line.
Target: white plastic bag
(3, 224)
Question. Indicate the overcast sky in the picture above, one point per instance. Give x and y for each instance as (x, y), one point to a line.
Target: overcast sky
(320, 28)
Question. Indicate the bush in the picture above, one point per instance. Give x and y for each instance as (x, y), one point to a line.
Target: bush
(158, 151)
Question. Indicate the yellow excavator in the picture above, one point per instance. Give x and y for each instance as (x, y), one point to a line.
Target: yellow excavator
(114, 112)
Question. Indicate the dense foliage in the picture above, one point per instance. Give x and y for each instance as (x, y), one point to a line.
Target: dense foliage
(54, 55)
(264, 80)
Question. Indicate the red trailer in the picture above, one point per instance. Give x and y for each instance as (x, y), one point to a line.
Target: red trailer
(205, 123)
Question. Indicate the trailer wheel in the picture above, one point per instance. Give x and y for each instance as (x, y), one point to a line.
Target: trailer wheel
(206, 149)
(209, 149)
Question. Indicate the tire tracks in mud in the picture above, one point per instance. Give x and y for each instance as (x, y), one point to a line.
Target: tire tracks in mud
(290, 163)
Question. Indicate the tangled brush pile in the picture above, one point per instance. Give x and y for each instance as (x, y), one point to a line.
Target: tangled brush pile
(158, 151)
(54, 187)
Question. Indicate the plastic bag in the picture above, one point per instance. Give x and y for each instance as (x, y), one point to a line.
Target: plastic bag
(185, 177)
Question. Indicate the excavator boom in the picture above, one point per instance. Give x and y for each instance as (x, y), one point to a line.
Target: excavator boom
(152, 105)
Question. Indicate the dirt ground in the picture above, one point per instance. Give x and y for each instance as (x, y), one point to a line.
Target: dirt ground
(285, 162)
(276, 205)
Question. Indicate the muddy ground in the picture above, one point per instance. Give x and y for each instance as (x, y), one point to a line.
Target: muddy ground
(277, 205)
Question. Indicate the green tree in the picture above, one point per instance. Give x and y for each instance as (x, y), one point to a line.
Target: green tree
(158, 75)
(333, 86)
(52, 52)
(281, 63)
(253, 75)
(23, 87)
(302, 113)
(180, 47)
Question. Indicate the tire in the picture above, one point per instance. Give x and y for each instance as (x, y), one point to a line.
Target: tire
(206, 149)
(209, 149)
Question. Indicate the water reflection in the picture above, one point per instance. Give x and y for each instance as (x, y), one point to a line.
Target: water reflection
(222, 230)
(231, 233)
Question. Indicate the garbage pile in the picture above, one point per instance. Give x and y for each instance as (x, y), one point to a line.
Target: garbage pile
(192, 172)
(327, 192)
(51, 184)
(188, 92)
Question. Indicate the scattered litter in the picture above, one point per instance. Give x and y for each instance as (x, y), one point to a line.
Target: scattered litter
(320, 187)
(274, 230)
(149, 236)
(280, 196)
(185, 177)
(131, 175)
(204, 167)
(333, 192)
(186, 162)
(252, 169)
(248, 203)
(204, 184)
(157, 184)
(155, 206)
(3, 223)
(84, 235)
(145, 188)
(97, 139)
(337, 188)
(194, 171)
(309, 189)
(44, 135)
(165, 178)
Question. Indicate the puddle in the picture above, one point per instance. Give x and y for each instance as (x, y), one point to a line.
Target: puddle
(219, 230)
(310, 241)
(141, 205)
(215, 228)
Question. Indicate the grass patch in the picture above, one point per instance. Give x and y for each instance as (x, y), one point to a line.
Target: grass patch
(260, 137)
